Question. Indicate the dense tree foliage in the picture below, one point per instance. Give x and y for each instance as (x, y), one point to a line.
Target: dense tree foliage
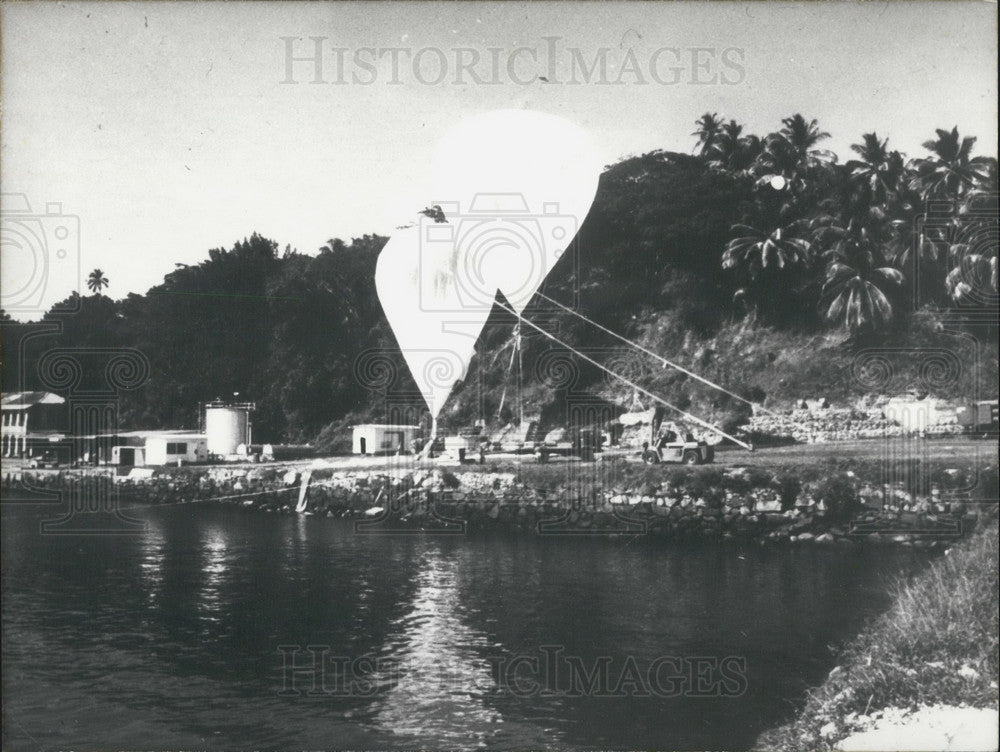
(280, 329)
(762, 231)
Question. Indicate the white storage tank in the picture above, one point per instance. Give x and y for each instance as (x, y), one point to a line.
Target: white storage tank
(227, 426)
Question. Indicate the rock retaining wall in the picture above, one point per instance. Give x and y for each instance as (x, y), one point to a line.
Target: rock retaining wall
(831, 506)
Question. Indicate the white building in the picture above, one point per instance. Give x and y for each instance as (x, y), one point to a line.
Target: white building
(174, 448)
(32, 422)
(383, 438)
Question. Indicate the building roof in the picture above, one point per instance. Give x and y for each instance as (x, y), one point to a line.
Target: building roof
(145, 434)
(169, 435)
(153, 433)
(24, 400)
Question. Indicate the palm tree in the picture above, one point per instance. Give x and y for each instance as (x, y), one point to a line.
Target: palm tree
(789, 153)
(733, 151)
(769, 259)
(963, 188)
(973, 277)
(879, 170)
(950, 172)
(778, 157)
(978, 250)
(802, 135)
(728, 138)
(857, 277)
(973, 246)
(96, 281)
(755, 249)
(709, 127)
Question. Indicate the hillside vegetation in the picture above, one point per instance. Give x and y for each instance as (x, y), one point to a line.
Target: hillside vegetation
(762, 263)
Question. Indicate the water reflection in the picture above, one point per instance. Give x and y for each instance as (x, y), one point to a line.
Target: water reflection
(436, 660)
(151, 564)
(170, 639)
(214, 564)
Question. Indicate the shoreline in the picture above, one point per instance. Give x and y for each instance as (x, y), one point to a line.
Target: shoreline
(924, 673)
(928, 505)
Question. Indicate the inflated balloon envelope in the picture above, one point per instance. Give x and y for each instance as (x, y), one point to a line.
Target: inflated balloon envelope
(436, 335)
(514, 186)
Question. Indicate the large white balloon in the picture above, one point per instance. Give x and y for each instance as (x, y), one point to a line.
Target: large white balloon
(435, 332)
(515, 186)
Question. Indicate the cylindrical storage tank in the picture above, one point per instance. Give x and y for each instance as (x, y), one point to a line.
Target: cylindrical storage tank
(225, 428)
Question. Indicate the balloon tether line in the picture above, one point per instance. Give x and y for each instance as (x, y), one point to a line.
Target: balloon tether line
(506, 382)
(659, 357)
(657, 398)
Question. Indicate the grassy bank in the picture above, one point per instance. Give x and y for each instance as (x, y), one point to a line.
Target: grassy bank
(937, 644)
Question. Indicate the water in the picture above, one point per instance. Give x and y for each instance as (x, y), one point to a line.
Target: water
(173, 638)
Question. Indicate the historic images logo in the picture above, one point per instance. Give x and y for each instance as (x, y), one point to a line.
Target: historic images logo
(314, 672)
(319, 60)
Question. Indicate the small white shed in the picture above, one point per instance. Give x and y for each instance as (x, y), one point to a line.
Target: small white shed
(171, 449)
(383, 438)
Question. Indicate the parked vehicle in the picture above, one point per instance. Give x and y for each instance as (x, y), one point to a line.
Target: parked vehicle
(670, 447)
(574, 442)
(46, 460)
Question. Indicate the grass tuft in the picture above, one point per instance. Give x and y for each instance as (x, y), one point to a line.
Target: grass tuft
(938, 643)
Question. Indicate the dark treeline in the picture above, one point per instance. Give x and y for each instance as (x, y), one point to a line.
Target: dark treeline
(765, 234)
(281, 328)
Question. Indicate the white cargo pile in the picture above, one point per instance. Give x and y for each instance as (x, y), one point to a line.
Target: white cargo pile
(814, 421)
(923, 416)
(637, 427)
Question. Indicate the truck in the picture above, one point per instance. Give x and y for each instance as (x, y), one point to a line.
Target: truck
(670, 446)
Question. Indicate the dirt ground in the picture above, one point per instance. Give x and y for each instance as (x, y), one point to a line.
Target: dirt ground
(895, 448)
(959, 448)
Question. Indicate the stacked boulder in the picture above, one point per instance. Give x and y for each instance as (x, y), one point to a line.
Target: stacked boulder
(810, 426)
(814, 422)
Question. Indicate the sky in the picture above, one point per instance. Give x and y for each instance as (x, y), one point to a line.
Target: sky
(166, 129)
